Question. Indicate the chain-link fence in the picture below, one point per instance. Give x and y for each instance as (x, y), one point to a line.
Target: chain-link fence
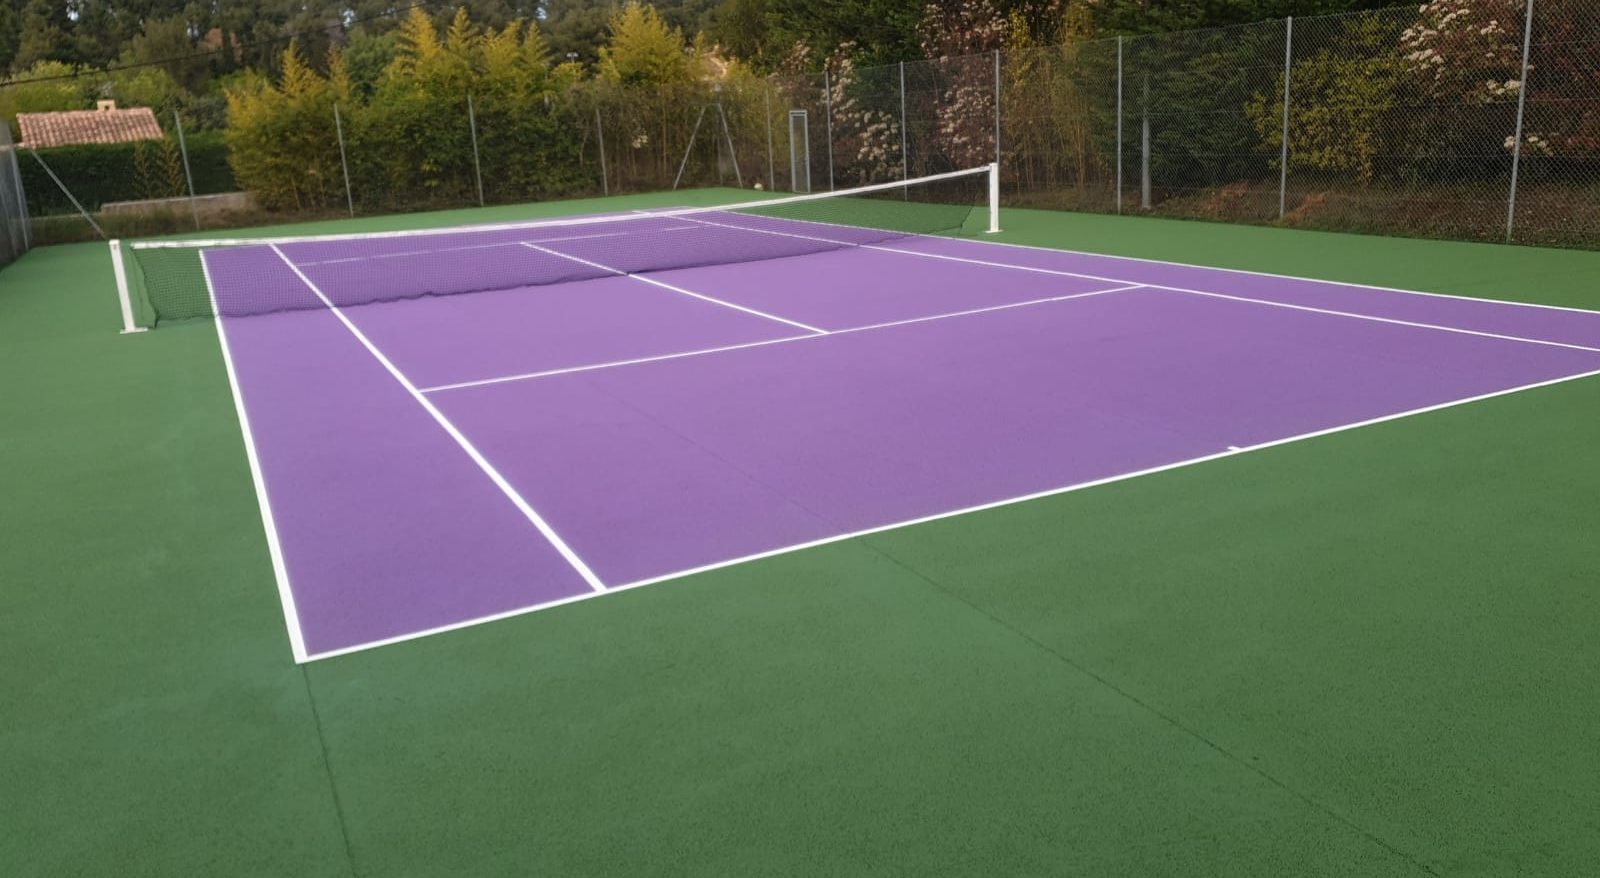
(13, 202)
(1470, 119)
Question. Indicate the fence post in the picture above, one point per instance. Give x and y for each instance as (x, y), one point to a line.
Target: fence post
(338, 130)
(68, 192)
(188, 176)
(477, 166)
(827, 112)
(997, 107)
(1283, 147)
(1119, 124)
(1516, 145)
(905, 165)
(23, 215)
(766, 104)
(600, 138)
(1144, 144)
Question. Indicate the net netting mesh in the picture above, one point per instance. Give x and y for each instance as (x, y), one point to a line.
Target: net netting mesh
(177, 280)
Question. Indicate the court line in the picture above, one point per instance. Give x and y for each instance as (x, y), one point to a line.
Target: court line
(967, 510)
(1041, 270)
(526, 376)
(483, 463)
(667, 286)
(280, 571)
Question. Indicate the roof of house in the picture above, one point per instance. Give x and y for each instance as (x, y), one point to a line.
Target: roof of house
(71, 127)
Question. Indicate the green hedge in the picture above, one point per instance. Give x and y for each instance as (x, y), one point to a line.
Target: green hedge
(104, 172)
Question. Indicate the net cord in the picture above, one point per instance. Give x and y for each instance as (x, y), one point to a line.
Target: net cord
(991, 170)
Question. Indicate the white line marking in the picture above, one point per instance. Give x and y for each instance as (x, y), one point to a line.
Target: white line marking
(280, 572)
(403, 253)
(667, 286)
(494, 475)
(968, 510)
(526, 376)
(1274, 303)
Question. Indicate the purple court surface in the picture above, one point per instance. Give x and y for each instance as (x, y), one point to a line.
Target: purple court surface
(432, 462)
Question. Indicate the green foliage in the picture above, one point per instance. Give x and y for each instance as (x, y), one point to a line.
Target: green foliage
(168, 38)
(281, 137)
(1344, 100)
(100, 173)
(643, 50)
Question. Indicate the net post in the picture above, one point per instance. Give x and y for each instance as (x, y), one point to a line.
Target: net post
(188, 176)
(1283, 147)
(124, 295)
(344, 164)
(905, 164)
(1516, 145)
(827, 112)
(477, 165)
(994, 198)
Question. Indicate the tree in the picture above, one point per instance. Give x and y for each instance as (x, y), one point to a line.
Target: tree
(169, 40)
(642, 49)
(44, 35)
(10, 35)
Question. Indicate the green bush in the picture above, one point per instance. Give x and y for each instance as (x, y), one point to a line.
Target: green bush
(105, 172)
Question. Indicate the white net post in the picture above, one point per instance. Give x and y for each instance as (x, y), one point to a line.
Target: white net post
(994, 198)
(124, 295)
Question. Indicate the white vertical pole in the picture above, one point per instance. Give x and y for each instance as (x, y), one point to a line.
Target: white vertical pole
(1119, 124)
(124, 295)
(905, 166)
(477, 166)
(338, 130)
(1283, 147)
(994, 198)
(827, 112)
(600, 138)
(1516, 145)
(997, 107)
(188, 176)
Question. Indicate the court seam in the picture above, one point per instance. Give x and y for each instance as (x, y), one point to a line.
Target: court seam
(954, 513)
(465, 444)
(280, 570)
(1106, 279)
(678, 355)
(1149, 708)
(666, 286)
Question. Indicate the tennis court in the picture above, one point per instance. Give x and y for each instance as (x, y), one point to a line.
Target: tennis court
(448, 429)
(966, 553)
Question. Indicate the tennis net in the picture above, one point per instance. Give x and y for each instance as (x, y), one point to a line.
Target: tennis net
(167, 280)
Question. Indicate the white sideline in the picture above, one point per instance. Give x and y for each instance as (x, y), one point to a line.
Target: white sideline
(678, 355)
(483, 463)
(280, 572)
(1232, 451)
(1106, 279)
(666, 286)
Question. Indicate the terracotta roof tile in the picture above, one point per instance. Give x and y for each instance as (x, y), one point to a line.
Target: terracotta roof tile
(73, 127)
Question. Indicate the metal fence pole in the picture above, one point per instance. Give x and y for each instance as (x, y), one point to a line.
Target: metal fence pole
(23, 215)
(905, 164)
(1283, 147)
(827, 112)
(1144, 144)
(338, 130)
(997, 106)
(733, 157)
(600, 138)
(188, 176)
(68, 192)
(767, 106)
(1516, 145)
(1119, 124)
(477, 166)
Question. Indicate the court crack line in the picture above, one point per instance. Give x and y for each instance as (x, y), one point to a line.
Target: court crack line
(1146, 706)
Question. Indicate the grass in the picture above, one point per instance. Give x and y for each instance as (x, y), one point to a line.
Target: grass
(1367, 654)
